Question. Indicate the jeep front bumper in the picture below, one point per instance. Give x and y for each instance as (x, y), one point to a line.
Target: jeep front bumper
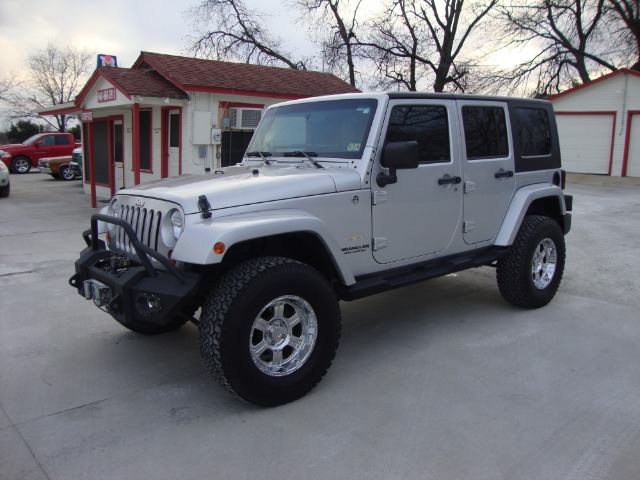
(133, 293)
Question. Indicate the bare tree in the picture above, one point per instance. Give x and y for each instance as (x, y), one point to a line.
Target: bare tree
(335, 25)
(628, 12)
(55, 76)
(227, 30)
(396, 47)
(8, 86)
(570, 35)
(416, 38)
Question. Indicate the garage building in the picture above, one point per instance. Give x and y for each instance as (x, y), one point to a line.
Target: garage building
(599, 125)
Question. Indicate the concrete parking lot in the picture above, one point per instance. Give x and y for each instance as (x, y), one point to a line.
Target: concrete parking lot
(441, 380)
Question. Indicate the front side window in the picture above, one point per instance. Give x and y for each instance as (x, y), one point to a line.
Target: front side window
(426, 124)
(533, 132)
(485, 132)
(48, 141)
(335, 129)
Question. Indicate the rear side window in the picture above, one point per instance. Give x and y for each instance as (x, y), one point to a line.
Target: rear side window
(62, 140)
(426, 124)
(533, 132)
(485, 132)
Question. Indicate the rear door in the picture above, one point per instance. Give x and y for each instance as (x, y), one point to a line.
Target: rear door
(488, 167)
(419, 215)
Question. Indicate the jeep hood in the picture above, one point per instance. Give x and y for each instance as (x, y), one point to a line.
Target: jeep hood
(245, 185)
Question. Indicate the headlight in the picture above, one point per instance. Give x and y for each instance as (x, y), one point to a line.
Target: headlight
(43, 162)
(3, 167)
(176, 223)
(4, 154)
(172, 227)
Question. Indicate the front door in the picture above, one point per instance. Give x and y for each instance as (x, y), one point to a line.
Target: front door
(488, 164)
(418, 215)
(171, 127)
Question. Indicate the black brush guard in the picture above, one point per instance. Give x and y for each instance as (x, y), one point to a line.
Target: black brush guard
(132, 292)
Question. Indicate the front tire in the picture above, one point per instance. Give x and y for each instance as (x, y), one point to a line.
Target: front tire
(20, 165)
(269, 330)
(530, 274)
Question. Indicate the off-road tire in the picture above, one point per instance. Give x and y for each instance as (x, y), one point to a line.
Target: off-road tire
(20, 165)
(235, 311)
(539, 245)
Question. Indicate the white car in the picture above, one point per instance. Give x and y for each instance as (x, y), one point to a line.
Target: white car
(5, 186)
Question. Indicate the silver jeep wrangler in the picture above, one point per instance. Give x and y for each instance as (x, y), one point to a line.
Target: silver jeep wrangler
(337, 198)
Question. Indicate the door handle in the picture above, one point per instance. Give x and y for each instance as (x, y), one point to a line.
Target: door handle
(504, 173)
(447, 180)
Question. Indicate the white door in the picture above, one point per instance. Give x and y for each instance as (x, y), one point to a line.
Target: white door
(418, 216)
(585, 142)
(633, 153)
(488, 168)
(118, 154)
(174, 143)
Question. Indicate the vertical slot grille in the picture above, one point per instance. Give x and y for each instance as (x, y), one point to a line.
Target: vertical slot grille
(146, 223)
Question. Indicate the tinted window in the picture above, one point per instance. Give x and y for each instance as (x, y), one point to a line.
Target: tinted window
(48, 140)
(533, 132)
(427, 125)
(485, 132)
(62, 140)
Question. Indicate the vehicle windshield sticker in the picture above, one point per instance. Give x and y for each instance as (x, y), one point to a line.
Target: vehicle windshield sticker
(353, 147)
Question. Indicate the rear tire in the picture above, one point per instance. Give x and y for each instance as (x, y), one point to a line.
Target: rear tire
(269, 330)
(530, 274)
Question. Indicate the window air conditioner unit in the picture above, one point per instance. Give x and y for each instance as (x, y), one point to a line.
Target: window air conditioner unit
(245, 118)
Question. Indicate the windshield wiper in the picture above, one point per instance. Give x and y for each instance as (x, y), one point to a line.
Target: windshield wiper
(262, 155)
(307, 155)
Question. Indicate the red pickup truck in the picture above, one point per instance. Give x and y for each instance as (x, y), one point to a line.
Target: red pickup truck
(20, 157)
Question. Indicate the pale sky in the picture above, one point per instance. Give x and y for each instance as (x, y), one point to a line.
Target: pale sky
(122, 28)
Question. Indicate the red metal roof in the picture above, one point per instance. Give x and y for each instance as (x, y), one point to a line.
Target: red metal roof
(197, 74)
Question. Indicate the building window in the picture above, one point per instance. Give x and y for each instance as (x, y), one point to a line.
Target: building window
(174, 130)
(145, 140)
(485, 132)
(426, 124)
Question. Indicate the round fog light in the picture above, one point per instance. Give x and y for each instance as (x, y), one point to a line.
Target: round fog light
(148, 304)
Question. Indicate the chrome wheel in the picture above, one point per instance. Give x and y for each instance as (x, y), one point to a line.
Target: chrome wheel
(543, 265)
(66, 173)
(283, 335)
(21, 165)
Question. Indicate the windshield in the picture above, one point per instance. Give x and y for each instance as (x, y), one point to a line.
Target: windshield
(335, 128)
(32, 140)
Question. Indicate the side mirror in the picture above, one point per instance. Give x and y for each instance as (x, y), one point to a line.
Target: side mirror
(398, 155)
